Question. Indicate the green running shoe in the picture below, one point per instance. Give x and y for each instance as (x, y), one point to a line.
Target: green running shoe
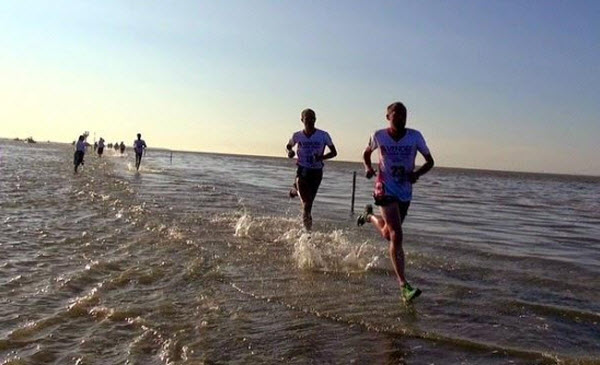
(364, 217)
(409, 293)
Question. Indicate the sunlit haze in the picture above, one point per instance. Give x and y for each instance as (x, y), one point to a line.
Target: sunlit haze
(510, 85)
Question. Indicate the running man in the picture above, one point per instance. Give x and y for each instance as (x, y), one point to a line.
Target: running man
(100, 147)
(122, 147)
(140, 147)
(311, 147)
(398, 148)
(80, 147)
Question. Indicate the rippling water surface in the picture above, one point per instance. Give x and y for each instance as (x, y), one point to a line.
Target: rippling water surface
(202, 260)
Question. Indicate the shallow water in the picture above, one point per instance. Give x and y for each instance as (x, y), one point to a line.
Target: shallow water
(203, 260)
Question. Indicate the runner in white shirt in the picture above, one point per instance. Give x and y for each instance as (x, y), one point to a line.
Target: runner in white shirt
(311, 148)
(139, 147)
(100, 147)
(398, 148)
(79, 152)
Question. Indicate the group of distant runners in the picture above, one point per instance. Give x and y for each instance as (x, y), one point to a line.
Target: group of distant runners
(139, 146)
(397, 146)
(99, 146)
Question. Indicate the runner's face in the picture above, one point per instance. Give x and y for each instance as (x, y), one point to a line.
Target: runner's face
(309, 122)
(397, 119)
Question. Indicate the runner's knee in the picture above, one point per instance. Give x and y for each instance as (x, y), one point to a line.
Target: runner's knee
(395, 234)
(385, 232)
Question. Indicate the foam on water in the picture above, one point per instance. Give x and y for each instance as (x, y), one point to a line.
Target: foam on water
(321, 251)
(143, 168)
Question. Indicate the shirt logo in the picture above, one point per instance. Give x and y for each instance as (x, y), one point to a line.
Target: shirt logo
(309, 144)
(395, 150)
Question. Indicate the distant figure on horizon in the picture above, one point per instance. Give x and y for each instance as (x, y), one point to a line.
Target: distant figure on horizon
(398, 148)
(122, 147)
(116, 146)
(139, 147)
(311, 147)
(80, 147)
(95, 146)
(100, 147)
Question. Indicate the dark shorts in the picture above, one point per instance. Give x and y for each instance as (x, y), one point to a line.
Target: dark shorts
(78, 158)
(387, 200)
(138, 155)
(310, 178)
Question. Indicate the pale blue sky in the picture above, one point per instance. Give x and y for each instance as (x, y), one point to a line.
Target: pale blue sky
(491, 84)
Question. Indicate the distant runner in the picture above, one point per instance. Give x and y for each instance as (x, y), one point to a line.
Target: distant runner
(100, 147)
(398, 148)
(311, 146)
(140, 147)
(122, 147)
(80, 147)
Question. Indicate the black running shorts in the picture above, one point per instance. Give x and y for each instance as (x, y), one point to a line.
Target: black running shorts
(387, 200)
(310, 177)
(78, 158)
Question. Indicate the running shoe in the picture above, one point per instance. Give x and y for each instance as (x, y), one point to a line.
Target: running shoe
(364, 217)
(409, 293)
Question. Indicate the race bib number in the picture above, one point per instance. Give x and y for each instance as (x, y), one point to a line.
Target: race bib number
(398, 173)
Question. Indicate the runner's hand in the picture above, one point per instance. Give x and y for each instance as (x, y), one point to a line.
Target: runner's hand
(318, 158)
(291, 153)
(413, 177)
(369, 173)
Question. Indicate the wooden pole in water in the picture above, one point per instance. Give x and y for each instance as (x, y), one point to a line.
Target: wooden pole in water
(353, 192)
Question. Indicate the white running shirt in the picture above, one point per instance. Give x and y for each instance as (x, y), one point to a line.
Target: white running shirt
(81, 145)
(138, 145)
(309, 147)
(396, 161)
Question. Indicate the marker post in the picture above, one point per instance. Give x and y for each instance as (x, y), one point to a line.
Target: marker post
(353, 192)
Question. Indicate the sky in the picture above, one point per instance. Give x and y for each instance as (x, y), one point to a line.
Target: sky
(506, 85)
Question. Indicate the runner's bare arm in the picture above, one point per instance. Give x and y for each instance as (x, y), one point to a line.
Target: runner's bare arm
(290, 151)
(428, 165)
(369, 172)
(331, 154)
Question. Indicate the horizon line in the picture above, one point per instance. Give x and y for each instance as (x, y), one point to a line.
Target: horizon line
(332, 161)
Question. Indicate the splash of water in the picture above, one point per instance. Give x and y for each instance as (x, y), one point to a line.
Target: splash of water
(324, 251)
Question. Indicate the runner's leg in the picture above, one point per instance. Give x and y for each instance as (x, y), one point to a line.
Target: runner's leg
(78, 160)
(379, 224)
(293, 190)
(393, 224)
(307, 197)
